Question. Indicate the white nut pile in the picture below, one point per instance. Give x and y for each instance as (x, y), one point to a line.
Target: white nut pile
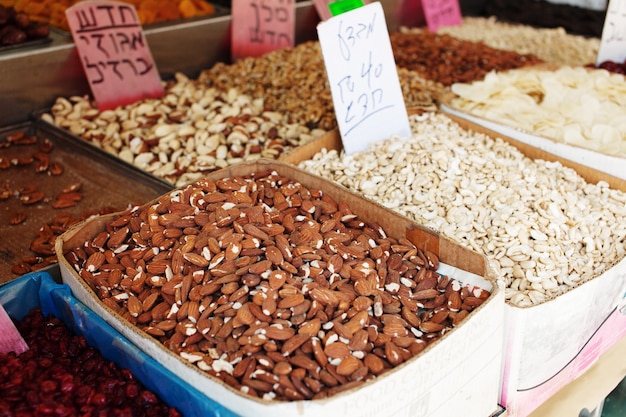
(576, 106)
(192, 130)
(540, 225)
(553, 45)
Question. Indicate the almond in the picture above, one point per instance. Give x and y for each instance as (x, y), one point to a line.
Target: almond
(337, 350)
(348, 366)
(95, 261)
(274, 255)
(279, 332)
(196, 259)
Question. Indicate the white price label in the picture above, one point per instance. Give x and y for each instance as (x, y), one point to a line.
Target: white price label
(613, 43)
(363, 79)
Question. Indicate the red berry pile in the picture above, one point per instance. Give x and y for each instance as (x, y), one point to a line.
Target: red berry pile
(61, 375)
(612, 66)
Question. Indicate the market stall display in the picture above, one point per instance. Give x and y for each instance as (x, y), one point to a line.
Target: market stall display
(322, 306)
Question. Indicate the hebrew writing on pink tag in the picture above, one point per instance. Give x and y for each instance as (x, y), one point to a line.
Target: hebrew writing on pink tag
(440, 13)
(10, 340)
(262, 26)
(114, 53)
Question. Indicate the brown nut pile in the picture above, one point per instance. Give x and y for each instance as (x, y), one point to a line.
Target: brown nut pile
(294, 82)
(448, 60)
(276, 289)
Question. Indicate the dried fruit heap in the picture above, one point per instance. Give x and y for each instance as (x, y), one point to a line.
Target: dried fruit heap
(61, 375)
(276, 289)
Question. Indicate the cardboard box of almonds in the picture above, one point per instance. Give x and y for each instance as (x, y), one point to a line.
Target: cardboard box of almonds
(278, 293)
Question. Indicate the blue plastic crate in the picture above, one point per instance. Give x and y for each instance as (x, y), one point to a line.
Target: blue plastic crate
(39, 289)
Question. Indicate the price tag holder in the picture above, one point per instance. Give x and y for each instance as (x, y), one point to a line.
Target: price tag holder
(338, 7)
(329, 8)
(439, 13)
(262, 26)
(114, 53)
(613, 41)
(363, 79)
(11, 340)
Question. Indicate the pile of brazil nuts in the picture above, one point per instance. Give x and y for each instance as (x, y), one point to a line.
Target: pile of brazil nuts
(540, 225)
(553, 45)
(294, 81)
(448, 60)
(192, 130)
(276, 289)
(578, 106)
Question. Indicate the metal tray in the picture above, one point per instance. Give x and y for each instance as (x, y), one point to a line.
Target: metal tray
(26, 44)
(106, 183)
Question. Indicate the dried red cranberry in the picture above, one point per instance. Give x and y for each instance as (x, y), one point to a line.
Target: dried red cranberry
(60, 375)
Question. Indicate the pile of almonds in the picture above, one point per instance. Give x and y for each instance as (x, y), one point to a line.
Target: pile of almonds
(276, 289)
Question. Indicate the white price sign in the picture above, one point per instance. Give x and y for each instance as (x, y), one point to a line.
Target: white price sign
(363, 79)
(613, 43)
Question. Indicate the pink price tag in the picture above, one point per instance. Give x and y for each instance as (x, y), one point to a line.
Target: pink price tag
(11, 340)
(262, 26)
(440, 13)
(322, 9)
(114, 53)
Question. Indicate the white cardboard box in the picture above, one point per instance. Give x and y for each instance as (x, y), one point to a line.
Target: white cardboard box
(455, 376)
(549, 345)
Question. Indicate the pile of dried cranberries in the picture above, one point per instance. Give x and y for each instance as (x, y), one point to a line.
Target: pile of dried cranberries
(61, 375)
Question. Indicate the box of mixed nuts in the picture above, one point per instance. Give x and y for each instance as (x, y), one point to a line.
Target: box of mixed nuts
(554, 230)
(276, 292)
